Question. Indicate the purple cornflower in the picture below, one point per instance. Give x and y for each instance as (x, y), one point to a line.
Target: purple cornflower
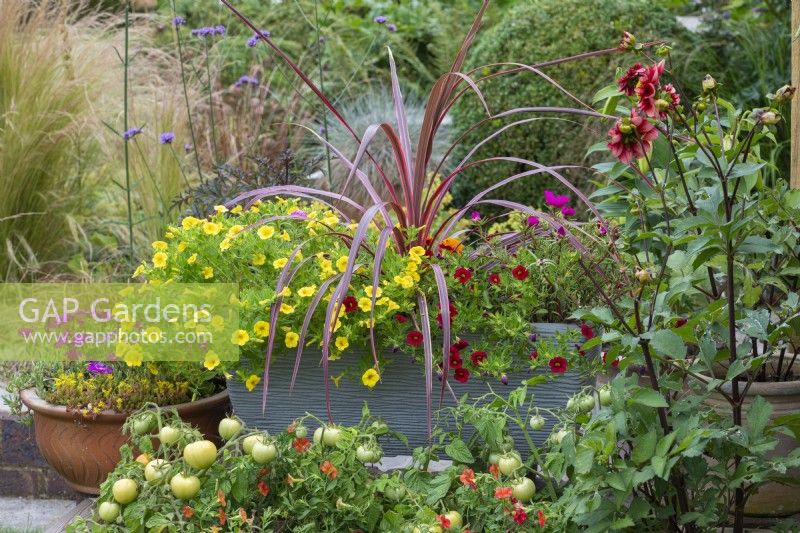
(187, 147)
(166, 138)
(602, 229)
(98, 368)
(178, 21)
(567, 211)
(252, 41)
(391, 27)
(244, 80)
(131, 133)
(533, 220)
(532, 337)
(475, 215)
(556, 200)
(504, 379)
(561, 231)
(380, 19)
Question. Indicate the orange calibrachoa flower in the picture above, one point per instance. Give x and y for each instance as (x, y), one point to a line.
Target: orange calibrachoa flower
(187, 511)
(223, 518)
(451, 244)
(263, 488)
(494, 471)
(541, 517)
(290, 480)
(221, 497)
(467, 477)
(301, 444)
(503, 493)
(328, 469)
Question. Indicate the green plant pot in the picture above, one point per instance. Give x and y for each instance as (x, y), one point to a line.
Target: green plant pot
(399, 398)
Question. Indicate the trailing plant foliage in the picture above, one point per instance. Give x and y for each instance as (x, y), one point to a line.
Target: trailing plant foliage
(551, 30)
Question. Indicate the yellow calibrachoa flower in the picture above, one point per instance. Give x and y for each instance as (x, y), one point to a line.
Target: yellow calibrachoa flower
(287, 309)
(138, 272)
(306, 292)
(189, 222)
(417, 252)
(211, 228)
(235, 230)
(404, 281)
(259, 259)
(285, 292)
(160, 260)
(280, 262)
(237, 210)
(192, 259)
(342, 343)
(285, 236)
(262, 329)
(160, 246)
(217, 322)
(252, 382)
(225, 244)
(265, 232)
(291, 339)
(365, 304)
(368, 291)
(240, 337)
(208, 272)
(220, 209)
(182, 246)
(341, 263)
(411, 266)
(211, 360)
(370, 378)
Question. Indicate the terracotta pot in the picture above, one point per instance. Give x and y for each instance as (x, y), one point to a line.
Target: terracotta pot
(84, 451)
(773, 499)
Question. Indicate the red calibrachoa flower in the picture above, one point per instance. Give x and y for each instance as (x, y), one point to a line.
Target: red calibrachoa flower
(494, 471)
(614, 363)
(443, 521)
(460, 345)
(453, 313)
(263, 488)
(467, 477)
(520, 515)
(455, 360)
(461, 375)
(494, 279)
(627, 83)
(401, 318)
(463, 275)
(328, 469)
(541, 518)
(679, 323)
(520, 272)
(631, 137)
(301, 444)
(350, 304)
(187, 512)
(587, 331)
(558, 365)
(477, 358)
(503, 493)
(533, 355)
(414, 338)
(223, 517)
(647, 89)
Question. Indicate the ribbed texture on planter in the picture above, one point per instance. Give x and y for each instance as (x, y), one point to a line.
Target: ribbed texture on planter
(85, 451)
(399, 398)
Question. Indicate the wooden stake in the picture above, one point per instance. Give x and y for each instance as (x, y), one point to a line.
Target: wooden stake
(795, 133)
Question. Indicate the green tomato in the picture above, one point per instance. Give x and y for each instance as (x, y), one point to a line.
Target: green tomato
(327, 435)
(509, 463)
(301, 432)
(572, 404)
(559, 435)
(229, 428)
(586, 404)
(264, 452)
(605, 396)
(394, 492)
(156, 469)
(368, 454)
(494, 458)
(184, 487)
(200, 454)
(456, 521)
(250, 441)
(169, 435)
(143, 425)
(537, 422)
(523, 489)
(508, 444)
(125, 490)
(379, 427)
(318, 435)
(108, 511)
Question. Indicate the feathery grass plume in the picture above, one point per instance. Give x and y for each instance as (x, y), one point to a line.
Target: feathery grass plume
(53, 69)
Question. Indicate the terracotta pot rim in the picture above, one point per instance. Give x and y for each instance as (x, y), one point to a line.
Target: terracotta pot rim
(36, 404)
(766, 388)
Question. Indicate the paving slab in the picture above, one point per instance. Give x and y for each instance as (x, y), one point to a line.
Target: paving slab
(28, 515)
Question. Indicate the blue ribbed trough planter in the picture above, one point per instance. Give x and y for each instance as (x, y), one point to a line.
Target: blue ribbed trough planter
(399, 398)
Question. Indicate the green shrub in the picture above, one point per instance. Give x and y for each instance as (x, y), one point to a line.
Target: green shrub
(536, 31)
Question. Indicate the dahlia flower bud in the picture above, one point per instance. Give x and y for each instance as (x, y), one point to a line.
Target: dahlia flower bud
(663, 50)
(767, 116)
(709, 85)
(662, 105)
(628, 41)
(783, 95)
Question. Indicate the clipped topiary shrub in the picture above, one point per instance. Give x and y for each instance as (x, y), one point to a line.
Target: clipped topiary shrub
(537, 31)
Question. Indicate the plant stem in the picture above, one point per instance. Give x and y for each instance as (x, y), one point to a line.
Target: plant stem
(125, 126)
(322, 88)
(211, 104)
(186, 93)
